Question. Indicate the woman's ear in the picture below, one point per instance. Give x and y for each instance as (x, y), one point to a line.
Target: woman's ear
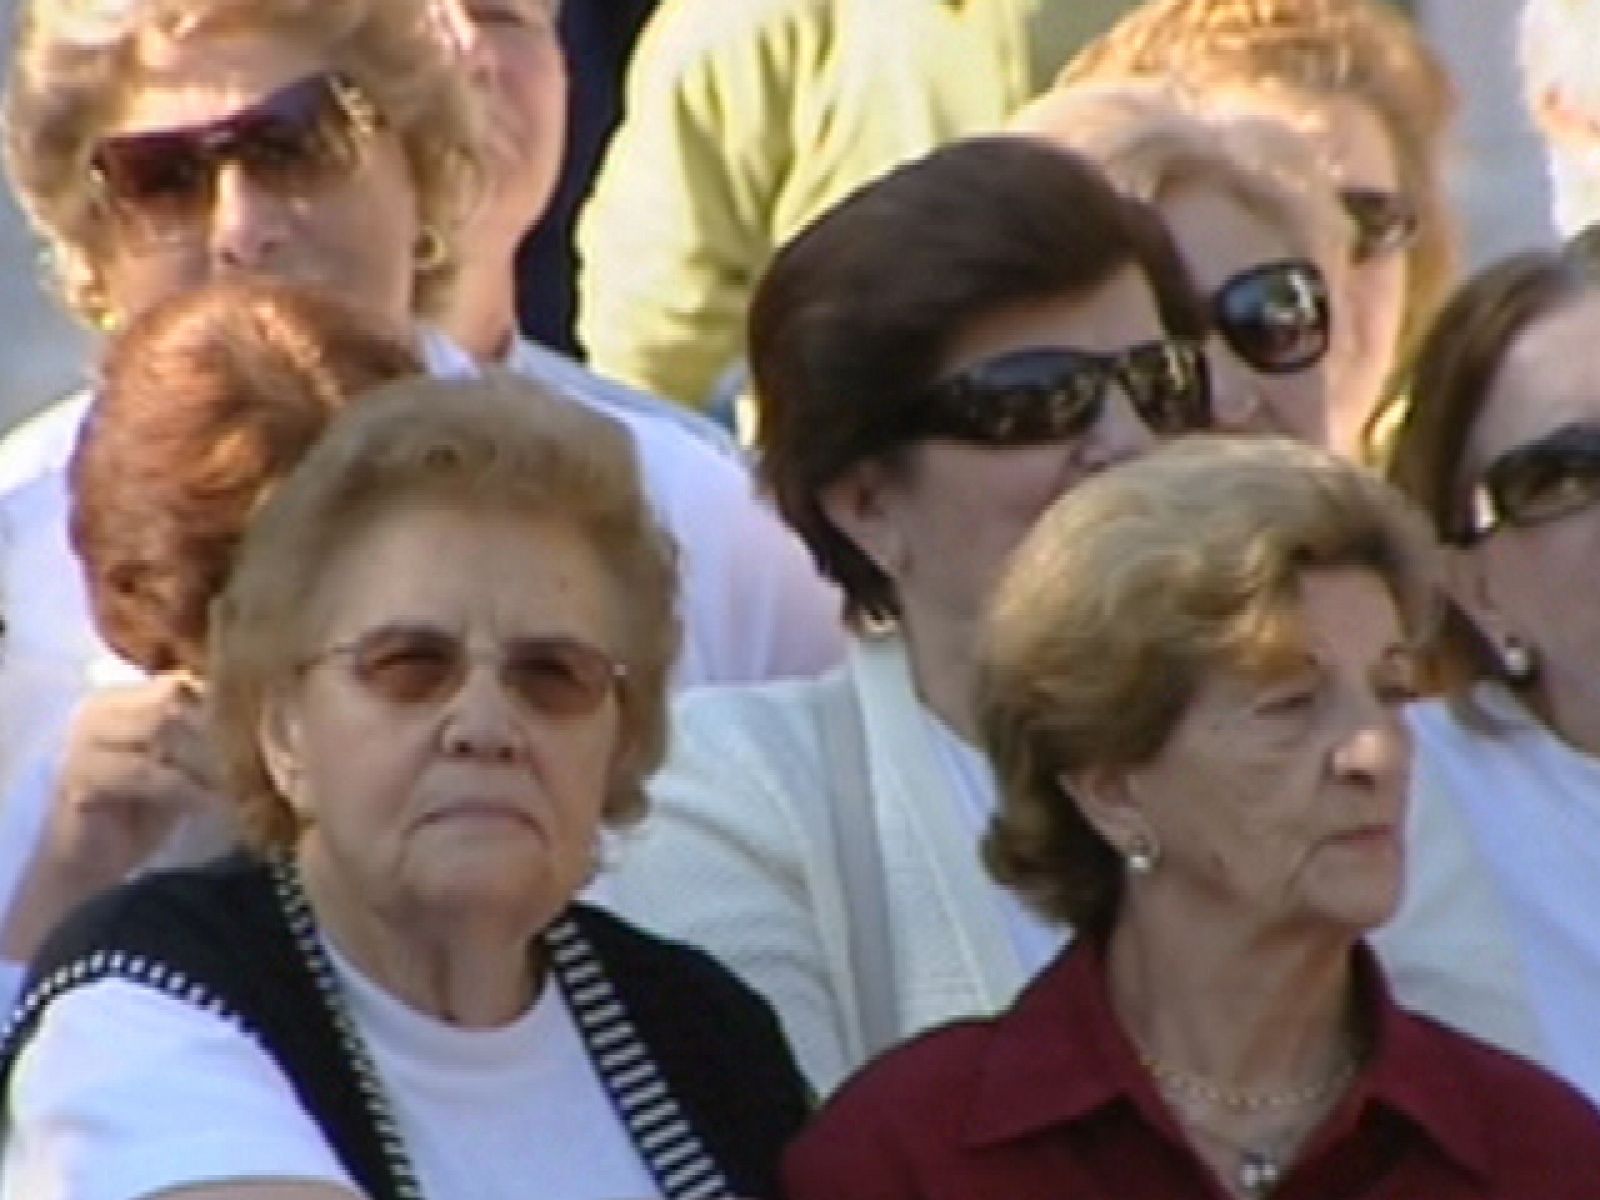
(862, 504)
(1109, 803)
(280, 735)
(1466, 581)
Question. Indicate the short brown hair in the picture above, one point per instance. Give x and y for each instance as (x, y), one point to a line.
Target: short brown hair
(1449, 383)
(69, 71)
(495, 444)
(1361, 49)
(856, 314)
(202, 405)
(1127, 592)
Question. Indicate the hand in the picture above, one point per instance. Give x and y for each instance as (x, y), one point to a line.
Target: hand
(137, 760)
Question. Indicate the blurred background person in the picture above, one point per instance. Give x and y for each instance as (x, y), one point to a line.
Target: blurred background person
(929, 379)
(1557, 46)
(744, 122)
(1502, 451)
(1259, 227)
(1360, 81)
(203, 404)
(1192, 684)
(439, 667)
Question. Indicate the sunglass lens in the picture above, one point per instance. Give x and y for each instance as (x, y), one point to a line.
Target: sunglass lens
(1169, 386)
(407, 666)
(1275, 317)
(159, 178)
(557, 677)
(297, 139)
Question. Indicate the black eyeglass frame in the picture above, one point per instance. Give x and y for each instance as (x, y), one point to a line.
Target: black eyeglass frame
(1509, 489)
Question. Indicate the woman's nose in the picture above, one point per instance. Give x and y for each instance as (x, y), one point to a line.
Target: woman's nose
(1238, 404)
(1119, 434)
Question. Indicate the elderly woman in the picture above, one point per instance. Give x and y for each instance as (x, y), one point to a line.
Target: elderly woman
(1358, 78)
(1259, 227)
(1192, 686)
(930, 379)
(160, 143)
(1502, 450)
(439, 667)
(203, 403)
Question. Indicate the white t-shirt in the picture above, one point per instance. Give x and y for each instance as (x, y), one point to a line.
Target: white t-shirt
(125, 1091)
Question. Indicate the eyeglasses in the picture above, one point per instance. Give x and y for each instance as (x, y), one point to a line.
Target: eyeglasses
(160, 185)
(1052, 394)
(1275, 316)
(1544, 480)
(1385, 222)
(418, 664)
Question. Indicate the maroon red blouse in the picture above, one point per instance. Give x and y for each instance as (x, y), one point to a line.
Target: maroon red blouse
(1048, 1102)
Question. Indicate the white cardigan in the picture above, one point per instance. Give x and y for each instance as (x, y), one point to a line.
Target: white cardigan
(739, 856)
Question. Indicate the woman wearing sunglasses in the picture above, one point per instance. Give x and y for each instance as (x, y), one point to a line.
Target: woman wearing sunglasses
(1260, 231)
(1358, 79)
(439, 668)
(1192, 683)
(1502, 450)
(929, 378)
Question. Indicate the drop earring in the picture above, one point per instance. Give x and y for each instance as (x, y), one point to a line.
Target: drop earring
(1517, 660)
(1142, 855)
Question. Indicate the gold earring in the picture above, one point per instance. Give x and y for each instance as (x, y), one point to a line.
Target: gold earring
(431, 251)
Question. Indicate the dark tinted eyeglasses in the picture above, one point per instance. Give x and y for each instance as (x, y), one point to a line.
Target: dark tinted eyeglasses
(1275, 316)
(1553, 477)
(160, 185)
(1385, 222)
(419, 664)
(1053, 394)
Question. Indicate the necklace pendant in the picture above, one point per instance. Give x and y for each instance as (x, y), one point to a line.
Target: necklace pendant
(1259, 1173)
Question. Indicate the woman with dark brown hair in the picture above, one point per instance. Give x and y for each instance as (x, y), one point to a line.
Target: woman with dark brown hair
(1501, 449)
(929, 379)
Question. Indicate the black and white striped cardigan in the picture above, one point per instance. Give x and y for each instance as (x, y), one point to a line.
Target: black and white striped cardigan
(693, 1061)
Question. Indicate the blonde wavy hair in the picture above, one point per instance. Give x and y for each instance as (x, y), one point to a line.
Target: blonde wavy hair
(1131, 589)
(75, 62)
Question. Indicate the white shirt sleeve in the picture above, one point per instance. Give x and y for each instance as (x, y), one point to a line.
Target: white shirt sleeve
(124, 1091)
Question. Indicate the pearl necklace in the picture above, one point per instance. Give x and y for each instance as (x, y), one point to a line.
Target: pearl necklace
(1197, 1087)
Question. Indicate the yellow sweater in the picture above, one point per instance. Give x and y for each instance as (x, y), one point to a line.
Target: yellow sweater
(745, 119)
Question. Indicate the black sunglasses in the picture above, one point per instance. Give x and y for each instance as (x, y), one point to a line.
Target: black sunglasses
(1275, 316)
(1553, 477)
(1385, 222)
(159, 185)
(415, 665)
(1052, 394)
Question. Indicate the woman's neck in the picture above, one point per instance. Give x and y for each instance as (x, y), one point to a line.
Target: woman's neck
(940, 651)
(1569, 703)
(1245, 1011)
(471, 967)
(481, 311)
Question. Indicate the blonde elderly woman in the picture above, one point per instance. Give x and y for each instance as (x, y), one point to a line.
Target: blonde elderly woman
(439, 667)
(160, 143)
(1192, 684)
(1260, 229)
(1358, 78)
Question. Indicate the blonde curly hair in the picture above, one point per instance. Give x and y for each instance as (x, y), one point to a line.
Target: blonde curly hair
(75, 62)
